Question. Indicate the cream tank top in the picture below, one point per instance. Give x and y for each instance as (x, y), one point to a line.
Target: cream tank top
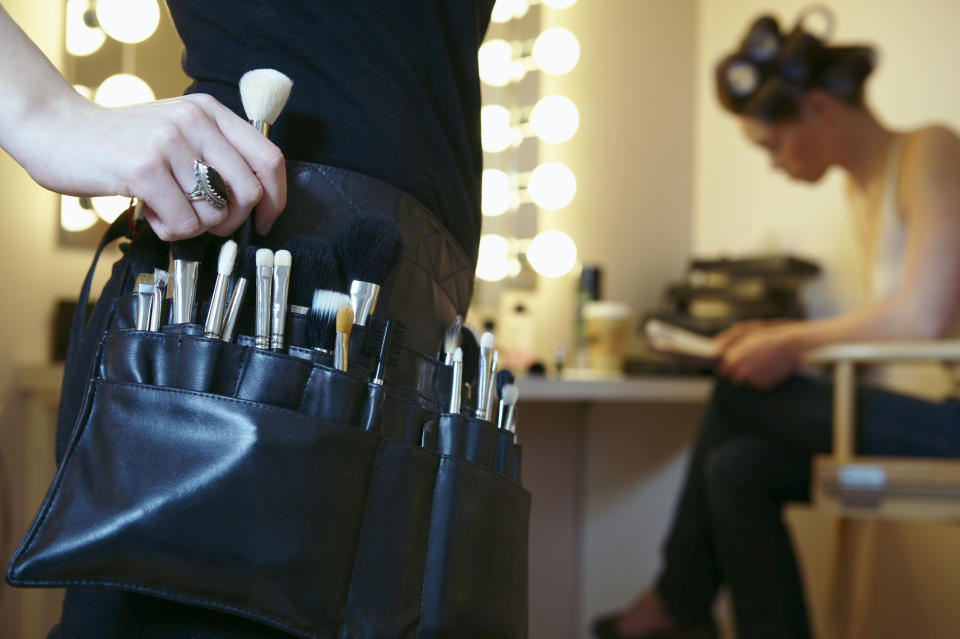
(881, 273)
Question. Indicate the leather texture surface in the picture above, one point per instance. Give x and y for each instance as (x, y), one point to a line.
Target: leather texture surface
(275, 487)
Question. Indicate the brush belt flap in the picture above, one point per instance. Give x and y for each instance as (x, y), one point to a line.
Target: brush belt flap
(274, 486)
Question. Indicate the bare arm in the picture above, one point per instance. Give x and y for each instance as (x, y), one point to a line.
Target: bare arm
(70, 145)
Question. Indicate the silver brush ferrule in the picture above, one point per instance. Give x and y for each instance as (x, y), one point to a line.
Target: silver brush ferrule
(500, 423)
(340, 351)
(233, 311)
(156, 305)
(278, 319)
(363, 300)
(262, 326)
(492, 383)
(509, 422)
(483, 383)
(184, 290)
(145, 292)
(456, 385)
(217, 302)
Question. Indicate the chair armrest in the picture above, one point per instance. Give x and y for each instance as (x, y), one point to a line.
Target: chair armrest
(943, 350)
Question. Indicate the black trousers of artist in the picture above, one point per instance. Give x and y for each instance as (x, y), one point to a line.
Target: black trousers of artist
(752, 455)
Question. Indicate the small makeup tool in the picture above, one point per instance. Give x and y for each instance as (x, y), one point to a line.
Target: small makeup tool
(471, 359)
(341, 349)
(504, 377)
(144, 288)
(264, 284)
(483, 375)
(282, 261)
(186, 265)
(263, 93)
(451, 339)
(322, 320)
(160, 278)
(456, 384)
(214, 324)
(510, 396)
(248, 272)
(368, 245)
(492, 383)
(382, 341)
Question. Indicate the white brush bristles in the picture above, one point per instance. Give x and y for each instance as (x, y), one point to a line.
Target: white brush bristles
(228, 255)
(282, 258)
(486, 340)
(264, 93)
(510, 394)
(264, 258)
(458, 355)
(328, 303)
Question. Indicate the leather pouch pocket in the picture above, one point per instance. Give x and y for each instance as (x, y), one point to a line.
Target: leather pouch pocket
(478, 518)
(218, 518)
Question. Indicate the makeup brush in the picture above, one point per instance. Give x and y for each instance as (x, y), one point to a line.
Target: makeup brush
(248, 272)
(341, 349)
(144, 288)
(451, 339)
(382, 341)
(510, 396)
(492, 383)
(471, 357)
(504, 378)
(214, 323)
(368, 245)
(315, 266)
(148, 252)
(483, 375)
(186, 265)
(263, 93)
(456, 360)
(322, 320)
(282, 260)
(264, 283)
(160, 278)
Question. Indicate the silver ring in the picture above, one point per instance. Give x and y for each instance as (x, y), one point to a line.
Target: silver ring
(210, 186)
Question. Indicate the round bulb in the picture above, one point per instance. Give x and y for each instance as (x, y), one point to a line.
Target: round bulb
(554, 119)
(507, 10)
(123, 89)
(109, 207)
(129, 21)
(552, 253)
(552, 186)
(495, 133)
(494, 192)
(492, 262)
(495, 62)
(556, 51)
(74, 216)
(559, 4)
(84, 90)
(80, 38)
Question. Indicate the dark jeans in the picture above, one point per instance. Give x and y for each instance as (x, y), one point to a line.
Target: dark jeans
(753, 454)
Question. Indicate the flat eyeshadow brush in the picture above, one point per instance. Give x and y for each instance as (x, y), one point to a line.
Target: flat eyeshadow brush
(248, 273)
(214, 324)
(186, 266)
(368, 245)
(264, 284)
(510, 396)
(341, 349)
(160, 278)
(322, 320)
(483, 375)
(143, 288)
(456, 383)
(282, 261)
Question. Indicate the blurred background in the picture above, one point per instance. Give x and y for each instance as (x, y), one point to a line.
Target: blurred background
(636, 166)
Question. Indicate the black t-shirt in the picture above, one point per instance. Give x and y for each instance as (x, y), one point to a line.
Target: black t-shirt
(386, 88)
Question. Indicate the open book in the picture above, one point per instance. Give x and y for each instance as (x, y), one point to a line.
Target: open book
(673, 340)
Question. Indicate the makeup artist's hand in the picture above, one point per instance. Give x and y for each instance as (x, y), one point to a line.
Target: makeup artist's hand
(760, 353)
(148, 150)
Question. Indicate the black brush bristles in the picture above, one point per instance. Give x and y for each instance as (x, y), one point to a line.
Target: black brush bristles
(148, 252)
(322, 319)
(315, 266)
(504, 377)
(383, 340)
(248, 264)
(471, 355)
(190, 250)
(368, 246)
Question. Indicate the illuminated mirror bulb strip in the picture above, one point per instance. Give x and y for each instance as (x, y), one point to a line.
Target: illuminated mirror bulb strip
(128, 21)
(552, 186)
(507, 10)
(552, 253)
(81, 38)
(555, 119)
(556, 51)
(495, 62)
(493, 261)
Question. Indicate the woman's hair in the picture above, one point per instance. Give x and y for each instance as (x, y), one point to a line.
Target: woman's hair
(769, 73)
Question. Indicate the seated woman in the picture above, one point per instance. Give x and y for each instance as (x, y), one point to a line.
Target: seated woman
(802, 101)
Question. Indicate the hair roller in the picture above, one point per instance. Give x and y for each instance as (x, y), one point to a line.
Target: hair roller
(799, 57)
(762, 42)
(845, 70)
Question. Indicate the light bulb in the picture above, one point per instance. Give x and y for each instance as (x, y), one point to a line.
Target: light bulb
(552, 253)
(129, 21)
(495, 133)
(495, 62)
(109, 207)
(552, 186)
(556, 51)
(74, 216)
(122, 89)
(554, 119)
(492, 262)
(84, 90)
(559, 4)
(80, 38)
(494, 192)
(507, 10)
